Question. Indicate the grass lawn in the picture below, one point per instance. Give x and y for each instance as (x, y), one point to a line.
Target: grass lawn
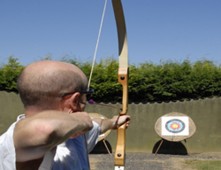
(204, 164)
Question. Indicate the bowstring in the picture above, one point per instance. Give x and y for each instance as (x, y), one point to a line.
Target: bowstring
(95, 56)
(97, 44)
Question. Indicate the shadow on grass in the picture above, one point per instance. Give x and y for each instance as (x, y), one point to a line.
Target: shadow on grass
(168, 147)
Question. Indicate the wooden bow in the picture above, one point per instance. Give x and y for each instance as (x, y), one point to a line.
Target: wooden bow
(123, 80)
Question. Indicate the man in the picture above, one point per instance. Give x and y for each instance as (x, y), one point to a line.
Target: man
(51, 133)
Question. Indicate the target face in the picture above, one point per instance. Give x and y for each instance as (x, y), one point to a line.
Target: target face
(175, 126)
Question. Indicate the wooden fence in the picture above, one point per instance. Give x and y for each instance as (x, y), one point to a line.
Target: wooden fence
(141, 136)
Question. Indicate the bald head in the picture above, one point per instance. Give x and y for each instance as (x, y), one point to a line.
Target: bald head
(42, 81)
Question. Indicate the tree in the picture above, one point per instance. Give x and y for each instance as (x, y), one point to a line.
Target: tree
(9, 74)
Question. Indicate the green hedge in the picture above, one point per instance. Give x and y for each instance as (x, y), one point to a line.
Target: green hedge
(8, 75)
(147, 82)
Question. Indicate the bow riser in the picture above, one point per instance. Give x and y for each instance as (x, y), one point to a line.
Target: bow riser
(123, 80)
(120, 148)
(121, 131)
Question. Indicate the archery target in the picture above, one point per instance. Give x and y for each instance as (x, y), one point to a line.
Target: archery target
(174, 126)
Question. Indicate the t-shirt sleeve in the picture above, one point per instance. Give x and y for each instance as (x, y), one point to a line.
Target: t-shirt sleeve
(92, 136)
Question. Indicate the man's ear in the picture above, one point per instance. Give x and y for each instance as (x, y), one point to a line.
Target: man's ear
(74, 101)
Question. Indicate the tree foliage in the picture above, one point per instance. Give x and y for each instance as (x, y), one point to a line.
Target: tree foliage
(9, 74)
(148, 82)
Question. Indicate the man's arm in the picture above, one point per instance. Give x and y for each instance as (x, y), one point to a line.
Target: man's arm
(35, 135)
(113, 123)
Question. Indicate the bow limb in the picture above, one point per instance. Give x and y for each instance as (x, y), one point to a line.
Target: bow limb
(123, 80)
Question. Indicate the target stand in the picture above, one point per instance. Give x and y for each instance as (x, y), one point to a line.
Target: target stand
(174, 127)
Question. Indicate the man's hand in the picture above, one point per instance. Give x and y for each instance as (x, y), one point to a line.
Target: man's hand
(120, 120)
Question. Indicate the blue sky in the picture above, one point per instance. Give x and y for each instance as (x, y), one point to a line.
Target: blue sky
(158, 30)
